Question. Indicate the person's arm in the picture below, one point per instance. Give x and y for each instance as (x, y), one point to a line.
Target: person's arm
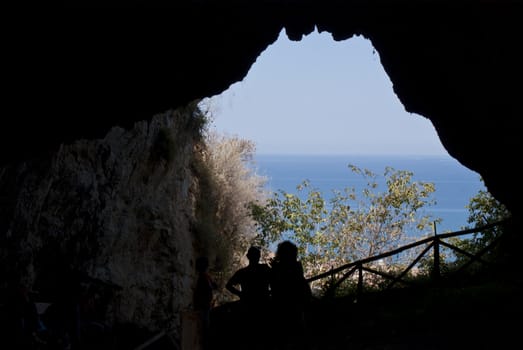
(231, 285)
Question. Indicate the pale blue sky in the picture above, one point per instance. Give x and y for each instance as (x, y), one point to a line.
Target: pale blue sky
(319, 96)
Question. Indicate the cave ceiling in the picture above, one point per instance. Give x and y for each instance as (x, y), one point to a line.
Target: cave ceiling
(77, 71)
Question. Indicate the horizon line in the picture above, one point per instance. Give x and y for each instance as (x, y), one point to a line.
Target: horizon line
(356, 154)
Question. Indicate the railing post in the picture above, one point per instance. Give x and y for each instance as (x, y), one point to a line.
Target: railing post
(360, 281)
(436, 271)
(331, 291)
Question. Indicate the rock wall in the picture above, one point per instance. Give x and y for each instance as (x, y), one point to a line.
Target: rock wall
(117, 210)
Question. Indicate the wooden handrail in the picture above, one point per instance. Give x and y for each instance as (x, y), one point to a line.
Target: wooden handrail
(433, 242)
(412, 264)
(370, 259)
(151, 340)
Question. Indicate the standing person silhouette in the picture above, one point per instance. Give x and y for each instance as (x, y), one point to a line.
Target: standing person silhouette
(252, 285)
(21, 316)
(203, 298)
(290, 295)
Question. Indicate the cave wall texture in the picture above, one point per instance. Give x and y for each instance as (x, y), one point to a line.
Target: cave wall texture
(116, 214)
(75, 71)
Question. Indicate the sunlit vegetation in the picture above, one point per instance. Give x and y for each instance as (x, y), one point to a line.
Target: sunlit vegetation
(236, 211)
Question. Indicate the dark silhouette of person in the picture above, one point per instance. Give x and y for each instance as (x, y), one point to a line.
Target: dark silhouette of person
(92, 305)
(62, 317)
(203, 298)
(22, 317)
(253, 280)
(291, 294)
(252, 285)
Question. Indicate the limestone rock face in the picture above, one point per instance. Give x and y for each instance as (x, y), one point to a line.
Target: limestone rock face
(116, 210)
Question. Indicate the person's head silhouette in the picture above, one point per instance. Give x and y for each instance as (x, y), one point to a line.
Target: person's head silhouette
(287, 252)
(253, 254)
(202, 264)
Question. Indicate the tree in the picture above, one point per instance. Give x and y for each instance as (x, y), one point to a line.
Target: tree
(483, 209)
(346, 228)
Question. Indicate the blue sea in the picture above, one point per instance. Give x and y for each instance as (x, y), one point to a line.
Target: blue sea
(454, 183)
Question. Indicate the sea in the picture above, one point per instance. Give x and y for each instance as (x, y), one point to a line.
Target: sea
(455, 184)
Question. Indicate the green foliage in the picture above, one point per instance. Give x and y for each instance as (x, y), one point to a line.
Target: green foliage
(199, 119)
(189, 124)
(347, 227)
(483, 209)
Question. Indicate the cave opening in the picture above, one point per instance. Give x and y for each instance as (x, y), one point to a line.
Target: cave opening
(321, 101)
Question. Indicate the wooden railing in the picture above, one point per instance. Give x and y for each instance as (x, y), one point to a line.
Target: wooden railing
(434, 242)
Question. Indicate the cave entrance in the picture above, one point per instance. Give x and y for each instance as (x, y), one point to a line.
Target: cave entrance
(318, 103)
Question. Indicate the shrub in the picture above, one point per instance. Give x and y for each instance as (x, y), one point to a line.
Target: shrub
(229, 185)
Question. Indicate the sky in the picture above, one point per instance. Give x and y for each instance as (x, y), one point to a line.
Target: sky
(319, 96)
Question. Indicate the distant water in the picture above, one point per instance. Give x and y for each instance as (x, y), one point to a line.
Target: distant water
(454, 183)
